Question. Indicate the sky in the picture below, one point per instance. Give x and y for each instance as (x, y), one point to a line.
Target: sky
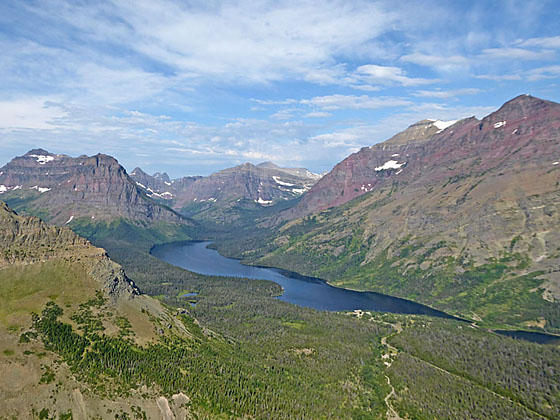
(191, 87)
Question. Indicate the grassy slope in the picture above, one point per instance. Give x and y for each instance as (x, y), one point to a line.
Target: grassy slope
(27, 288)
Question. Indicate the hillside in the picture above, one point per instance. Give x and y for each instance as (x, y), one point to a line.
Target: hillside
(60, 189)
(58, 293)
(466, 219)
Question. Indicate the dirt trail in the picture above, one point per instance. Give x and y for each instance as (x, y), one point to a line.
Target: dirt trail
(387, 360)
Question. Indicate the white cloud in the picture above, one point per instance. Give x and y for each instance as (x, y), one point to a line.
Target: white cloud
(241, 41)
(30, 113)
(439, 62)
(334, 102)
(511, 53)
(547, 72)
(445, 94)
(499, 77)
(317, 114)
(544, 42)
(372, 74)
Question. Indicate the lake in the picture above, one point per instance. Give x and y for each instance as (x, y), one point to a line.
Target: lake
(299, 290)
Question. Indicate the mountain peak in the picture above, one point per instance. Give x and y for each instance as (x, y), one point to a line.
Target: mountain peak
(39, 151)
(522, 106)
(417, 132)
(138, 172)
(162, 176)
(268, 164)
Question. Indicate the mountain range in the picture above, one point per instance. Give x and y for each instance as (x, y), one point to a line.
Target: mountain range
(227, 194)
(60, 188)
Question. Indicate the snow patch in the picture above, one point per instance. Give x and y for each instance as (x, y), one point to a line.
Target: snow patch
(555, 163)
(299, 191)
(42, 159)
(279, 182)
(167, 183)
(263, 202)
(366, 188)
(395, 155)
(141, 185)
(500, 124)
(17, 187)
(3, 189)
(442, 125)
(398, 172)
(40, 189)
(390, 164)
(69, 220)
(166, 193)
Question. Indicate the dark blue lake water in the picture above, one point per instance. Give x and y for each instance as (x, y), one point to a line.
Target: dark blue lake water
(299, 290)
(306, 291)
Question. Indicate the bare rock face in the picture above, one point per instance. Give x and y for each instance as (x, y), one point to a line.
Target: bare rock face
(28, 240)
(95, 187)
(160, 186)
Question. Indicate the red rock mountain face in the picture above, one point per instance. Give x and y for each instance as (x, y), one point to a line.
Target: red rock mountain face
(96, 187)
(523, 132)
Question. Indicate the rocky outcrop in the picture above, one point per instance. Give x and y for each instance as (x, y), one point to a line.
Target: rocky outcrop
(29, 240)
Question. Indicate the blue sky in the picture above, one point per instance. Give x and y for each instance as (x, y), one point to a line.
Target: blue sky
(192, 87)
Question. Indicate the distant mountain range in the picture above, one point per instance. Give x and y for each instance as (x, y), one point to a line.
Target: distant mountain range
(225, 195)
(60, 189)
(263, 184)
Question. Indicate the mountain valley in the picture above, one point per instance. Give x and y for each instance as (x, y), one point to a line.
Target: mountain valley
(462, 216)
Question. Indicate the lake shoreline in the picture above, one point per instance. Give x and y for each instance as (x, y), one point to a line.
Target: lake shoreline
(410, 306)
